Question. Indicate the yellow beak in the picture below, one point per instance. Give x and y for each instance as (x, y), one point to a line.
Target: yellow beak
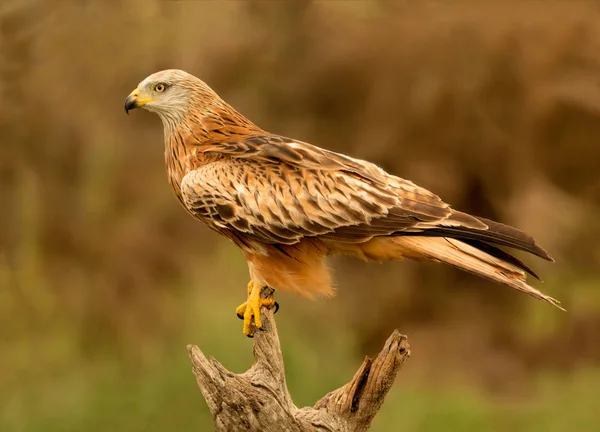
(134, 101)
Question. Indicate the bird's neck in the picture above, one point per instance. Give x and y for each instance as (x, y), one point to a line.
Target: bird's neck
(186, 141)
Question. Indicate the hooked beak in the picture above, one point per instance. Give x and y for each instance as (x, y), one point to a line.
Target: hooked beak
(134, 101)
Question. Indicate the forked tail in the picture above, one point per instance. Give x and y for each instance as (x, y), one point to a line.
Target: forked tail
(473, 256)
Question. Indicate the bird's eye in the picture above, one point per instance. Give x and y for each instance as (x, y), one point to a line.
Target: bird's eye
(160, 87)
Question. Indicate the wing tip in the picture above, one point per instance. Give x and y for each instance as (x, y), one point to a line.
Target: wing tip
(542, 253)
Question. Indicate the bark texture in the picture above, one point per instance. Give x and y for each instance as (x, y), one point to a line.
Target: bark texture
(258, 399)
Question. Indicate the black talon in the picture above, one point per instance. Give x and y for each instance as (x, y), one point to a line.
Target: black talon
(276, 308)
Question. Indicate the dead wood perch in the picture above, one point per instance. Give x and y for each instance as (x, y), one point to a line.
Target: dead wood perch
(258, 399)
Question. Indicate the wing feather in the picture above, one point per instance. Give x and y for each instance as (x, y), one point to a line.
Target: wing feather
(277, 191)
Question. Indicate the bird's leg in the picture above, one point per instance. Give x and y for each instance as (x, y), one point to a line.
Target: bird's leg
(251, 308)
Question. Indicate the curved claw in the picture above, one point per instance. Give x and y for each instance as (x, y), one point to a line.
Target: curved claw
(250, 310)
(240, 311)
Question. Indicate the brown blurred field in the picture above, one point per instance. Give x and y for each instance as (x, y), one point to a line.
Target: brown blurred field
(104, 278)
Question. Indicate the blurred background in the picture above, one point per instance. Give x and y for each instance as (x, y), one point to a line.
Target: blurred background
(104, 279)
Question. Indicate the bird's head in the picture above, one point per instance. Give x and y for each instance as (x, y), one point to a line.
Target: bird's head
(169, 93)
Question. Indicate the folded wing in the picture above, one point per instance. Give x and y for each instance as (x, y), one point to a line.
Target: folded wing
(278, 191)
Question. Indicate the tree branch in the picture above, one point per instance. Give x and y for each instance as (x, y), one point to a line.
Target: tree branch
(258, 399)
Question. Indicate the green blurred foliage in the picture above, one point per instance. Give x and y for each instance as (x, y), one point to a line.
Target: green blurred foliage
(104, 279)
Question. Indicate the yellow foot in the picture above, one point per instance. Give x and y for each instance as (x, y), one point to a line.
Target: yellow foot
(251, 308)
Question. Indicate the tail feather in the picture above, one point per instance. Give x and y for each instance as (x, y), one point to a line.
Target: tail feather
(504, 256)
(496, 233)
(489, 262)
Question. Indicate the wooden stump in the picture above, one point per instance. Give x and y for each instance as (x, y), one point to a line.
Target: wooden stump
(258, 399)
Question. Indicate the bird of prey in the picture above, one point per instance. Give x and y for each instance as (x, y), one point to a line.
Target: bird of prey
(288, 205)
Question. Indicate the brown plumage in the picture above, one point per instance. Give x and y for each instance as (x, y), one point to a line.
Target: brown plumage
(288, 204)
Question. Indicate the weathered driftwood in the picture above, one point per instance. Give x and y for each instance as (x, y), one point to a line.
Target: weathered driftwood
(258, 399)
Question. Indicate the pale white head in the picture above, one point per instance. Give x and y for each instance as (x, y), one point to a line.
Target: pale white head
(171, 93)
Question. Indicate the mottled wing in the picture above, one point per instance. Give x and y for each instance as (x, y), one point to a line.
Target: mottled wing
(276, 190)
